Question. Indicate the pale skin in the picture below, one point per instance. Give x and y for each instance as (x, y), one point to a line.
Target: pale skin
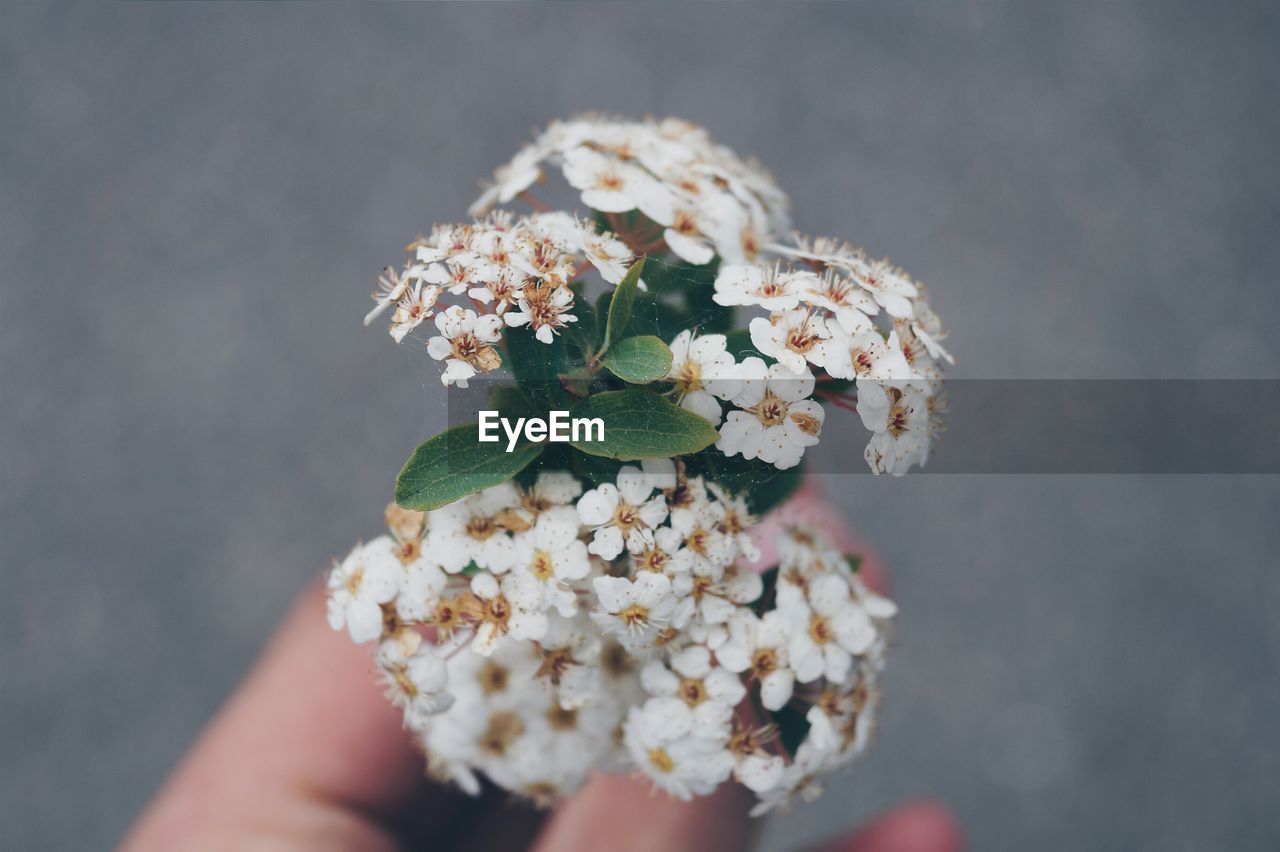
(307, 754)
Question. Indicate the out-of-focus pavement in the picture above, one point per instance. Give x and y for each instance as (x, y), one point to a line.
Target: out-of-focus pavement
(195, 200)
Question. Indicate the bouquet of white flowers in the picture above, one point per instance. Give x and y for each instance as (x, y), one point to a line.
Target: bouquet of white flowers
(588, 589)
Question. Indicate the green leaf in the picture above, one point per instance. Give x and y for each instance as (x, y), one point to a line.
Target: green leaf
(510, 401)
(537, 366)
(738, 344)
(639, 360)
(597, 470)
(642, 425)
(624, 296)
(651, 315)
(584, 335)
(454, 464)
(764, 486)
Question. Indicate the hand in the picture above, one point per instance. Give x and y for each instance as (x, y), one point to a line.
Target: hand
(308, 755)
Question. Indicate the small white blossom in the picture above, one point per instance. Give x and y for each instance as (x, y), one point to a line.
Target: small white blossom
(552, 490)
(795, 338)
(711, 595)
(900, 419)
(611, 186)
(768, 287)
(850, 305)
(465, 343)
(553, 556)
(665, 745)
(891, 289)
(471, 530)
(758, 645)
(634, 610)
(703, 372)
(358, 587)
(417, 681)
(415, 305)
(867, 355)
(512, 607)
(827, 627)
(710, 691)
(421, 585)
(618, 512)
(545, 309)
(706, 545)
(736, 521)
(776, 420)
(801, 779)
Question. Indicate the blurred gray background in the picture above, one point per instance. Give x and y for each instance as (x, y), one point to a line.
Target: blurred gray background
(195, 202)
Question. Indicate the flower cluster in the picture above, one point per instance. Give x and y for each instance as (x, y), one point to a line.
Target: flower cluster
(539, 612)
(531, 634)
(516, 272)
(702, 200)
(841, 329)
(851, 319)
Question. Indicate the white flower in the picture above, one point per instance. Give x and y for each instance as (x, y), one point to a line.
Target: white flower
(420, 587)
(840, 717)
(664, 744)
(511, 179)
(702, 371)
(611, 186)
(712, 595)
(801, 779)
(900, 420)
(684, 236)
(928, 328)
(391, 286)
(656, 550)
(736, 521)
(866, 355)
(758, 644)
(569, 651)
(502, 291)
(769, 287)
(755, 768)
(634, 610)
(368, 578)
(470, 530)
(710, 691)
(828, 627)
(551, 490)
(553, 556)
(658, 166)
(543, 308)
(776, 421)
(511, 607)
(447, 242)
(608, 254)
(706, 546)
(851, 305)
(416, 682)
(617, 512)
(877, 606)
(466, 343)
(889, 286)
(793, 337)
(415, 305)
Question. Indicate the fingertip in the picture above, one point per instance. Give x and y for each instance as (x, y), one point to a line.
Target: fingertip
(924, 826)
(622, 814)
